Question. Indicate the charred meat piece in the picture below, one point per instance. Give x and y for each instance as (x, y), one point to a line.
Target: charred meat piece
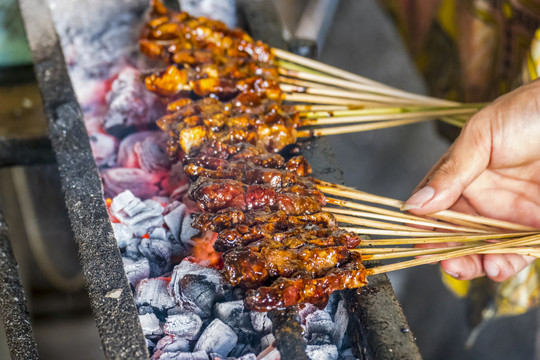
(252, 265)
(256, 170)
(169, 34)
(292, 291)
(235, 217)
(294, 237)
(217, 194)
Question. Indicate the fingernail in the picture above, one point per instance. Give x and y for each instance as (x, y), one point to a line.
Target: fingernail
(492, 269)
(454, 275)
(419, 198)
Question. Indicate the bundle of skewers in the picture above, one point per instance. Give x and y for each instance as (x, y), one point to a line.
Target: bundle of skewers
(233, 106)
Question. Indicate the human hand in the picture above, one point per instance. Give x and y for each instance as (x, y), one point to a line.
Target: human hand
(493, 170)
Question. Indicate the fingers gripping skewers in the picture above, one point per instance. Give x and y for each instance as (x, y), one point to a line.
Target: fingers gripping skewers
(277, 228)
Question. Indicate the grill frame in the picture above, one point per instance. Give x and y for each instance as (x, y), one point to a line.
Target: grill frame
(116, 318)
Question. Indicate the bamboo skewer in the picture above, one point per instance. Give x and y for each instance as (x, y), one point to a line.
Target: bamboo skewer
(334, 92)
(327, 69)
(373, 223)
(410, 220)
(386, 117)
(318, 99)
(342, 191)
(462, 238)
(415, 233)
(454, 254)
(386, 90)
(356, 128)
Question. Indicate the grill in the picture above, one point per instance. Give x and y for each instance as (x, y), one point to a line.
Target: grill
(377, 326)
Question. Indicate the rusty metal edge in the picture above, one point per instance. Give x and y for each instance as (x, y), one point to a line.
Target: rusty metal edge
(110, 295)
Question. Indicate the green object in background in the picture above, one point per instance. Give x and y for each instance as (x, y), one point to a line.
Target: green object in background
(14, 49)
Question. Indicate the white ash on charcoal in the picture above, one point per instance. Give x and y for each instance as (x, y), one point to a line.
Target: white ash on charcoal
(196, 288)
(249, 356)
(172, 343)
(104, 148)
(185, 325)
(199, 355)
(136, 270)
(123, 234)
(217, 338)
(241, 350)
(322, 352)
(151, 326)
(145, 150)
(341, 321)
(129, 104)
(261, 322)
(140, 215)
(154, 293)
(174, 216)
(234, 314)
(267, 340)
(139, 182)
(319, 322)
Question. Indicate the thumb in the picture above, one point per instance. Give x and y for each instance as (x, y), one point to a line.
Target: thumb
(460, 166)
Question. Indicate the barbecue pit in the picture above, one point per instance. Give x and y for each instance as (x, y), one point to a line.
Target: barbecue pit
(377, 323)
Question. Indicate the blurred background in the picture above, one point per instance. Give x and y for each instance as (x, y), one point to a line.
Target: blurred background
(356, 36)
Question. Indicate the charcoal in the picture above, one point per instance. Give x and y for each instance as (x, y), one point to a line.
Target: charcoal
(151, 209)
(305, 310)
(319, 322)
(132, 249)
(158, 234)
(150, 345)
(319, 339)
(347, 354)
(186, 325)
(261, 322)
(249, 356)
(150, 325)
(121, 201)
(333, 301)
(199, 355)
(146, 309)
(322, 352)
(129, 104)
(172, 343)
(103, 148)
(158, 252)
(136, 270)
(152, 154)
(233, 314)
(196, 287)
(267, 340)
(142, 184)
(127, 158)
(341, 320)
(142, 228)
(187, 231)
(241, 349)
(217, 338)
(123, 234)
(174, 220)
(153, 292)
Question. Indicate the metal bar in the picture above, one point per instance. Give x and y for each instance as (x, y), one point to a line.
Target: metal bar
(377, 324)
(13, 307)
(20, 152)
(111, 298)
